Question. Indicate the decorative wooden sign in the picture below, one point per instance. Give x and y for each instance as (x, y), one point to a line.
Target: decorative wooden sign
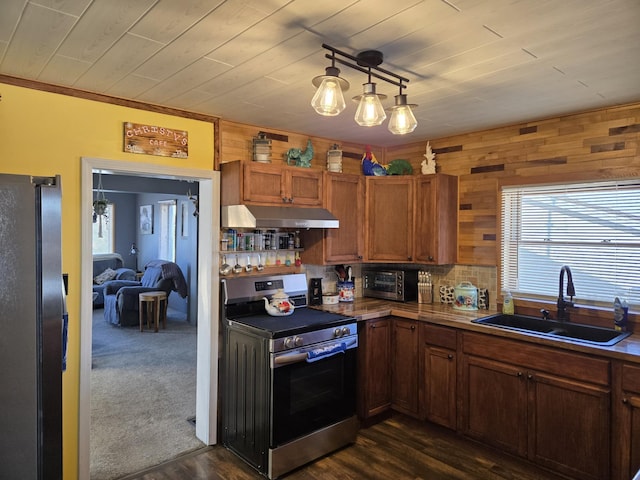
(153, 140)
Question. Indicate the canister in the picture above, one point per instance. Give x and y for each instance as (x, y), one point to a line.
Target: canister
(345, 291)
(465, 297)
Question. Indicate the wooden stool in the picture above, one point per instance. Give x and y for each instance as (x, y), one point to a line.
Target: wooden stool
(156, 309)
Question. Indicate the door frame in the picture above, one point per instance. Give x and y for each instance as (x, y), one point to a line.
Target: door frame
(208, 293)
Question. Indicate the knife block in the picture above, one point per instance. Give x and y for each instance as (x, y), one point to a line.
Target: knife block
(425, 293)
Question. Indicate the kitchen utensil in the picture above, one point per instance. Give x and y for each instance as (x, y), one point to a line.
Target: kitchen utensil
(225, 268)
(237, 268)
(349, 274)
(248, 267)
(260, 266)
(342, 275)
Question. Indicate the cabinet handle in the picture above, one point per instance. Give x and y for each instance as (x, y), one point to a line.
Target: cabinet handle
(413, 327)
(450, 356)
(519, 374)
(625, 400)
(530, 376)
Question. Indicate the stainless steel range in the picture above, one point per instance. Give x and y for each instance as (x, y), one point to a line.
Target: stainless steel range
(289, 381)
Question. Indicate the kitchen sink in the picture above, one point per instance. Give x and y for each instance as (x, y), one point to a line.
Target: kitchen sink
(562, 330)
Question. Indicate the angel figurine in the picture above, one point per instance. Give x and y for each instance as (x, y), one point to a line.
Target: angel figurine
(429, 163)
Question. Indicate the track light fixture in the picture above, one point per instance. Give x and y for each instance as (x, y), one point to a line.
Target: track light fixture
(329, 100)
(402, 120)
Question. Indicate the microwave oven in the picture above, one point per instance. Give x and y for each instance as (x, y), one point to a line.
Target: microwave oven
(398, 285)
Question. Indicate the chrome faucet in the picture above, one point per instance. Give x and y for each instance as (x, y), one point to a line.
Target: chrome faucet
(563, 313)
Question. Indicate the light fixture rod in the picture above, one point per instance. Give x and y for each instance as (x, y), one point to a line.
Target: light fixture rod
(367, 70)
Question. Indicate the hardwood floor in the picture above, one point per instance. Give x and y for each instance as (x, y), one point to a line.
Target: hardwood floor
(398, 448)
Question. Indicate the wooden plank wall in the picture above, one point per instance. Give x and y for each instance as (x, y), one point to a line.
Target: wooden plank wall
(592, 145)
(596, 144)
(236, 143)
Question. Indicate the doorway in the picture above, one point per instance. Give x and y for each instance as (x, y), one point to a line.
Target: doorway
(207, 314)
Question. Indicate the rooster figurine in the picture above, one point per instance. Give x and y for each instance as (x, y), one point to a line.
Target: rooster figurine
(371, 166)
(297, 157)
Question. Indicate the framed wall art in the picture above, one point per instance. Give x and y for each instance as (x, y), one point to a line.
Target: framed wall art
(146, 219)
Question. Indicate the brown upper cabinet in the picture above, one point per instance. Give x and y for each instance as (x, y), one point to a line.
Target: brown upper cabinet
(436, 225)
(344, 198)
(270, 184)
(389, 219)
(412, 219)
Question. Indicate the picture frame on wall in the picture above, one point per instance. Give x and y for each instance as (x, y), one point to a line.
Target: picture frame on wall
(146, 219)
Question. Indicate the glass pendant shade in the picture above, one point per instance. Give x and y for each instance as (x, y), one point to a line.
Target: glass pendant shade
(370, 112)
(328, 99)
(402, 120)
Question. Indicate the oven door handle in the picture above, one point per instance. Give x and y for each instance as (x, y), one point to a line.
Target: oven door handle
(290, 358)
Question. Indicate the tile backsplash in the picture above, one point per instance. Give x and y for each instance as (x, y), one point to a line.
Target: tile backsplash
(449, 275)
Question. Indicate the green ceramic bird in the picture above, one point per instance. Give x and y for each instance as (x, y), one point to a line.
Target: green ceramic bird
(399, 167)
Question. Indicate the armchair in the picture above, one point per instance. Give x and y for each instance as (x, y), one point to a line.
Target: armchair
(121, 296)
(112, 263)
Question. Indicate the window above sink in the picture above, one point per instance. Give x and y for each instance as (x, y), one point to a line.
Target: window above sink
(593, 227)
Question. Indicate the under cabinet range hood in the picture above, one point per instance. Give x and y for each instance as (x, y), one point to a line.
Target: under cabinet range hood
(259, 216)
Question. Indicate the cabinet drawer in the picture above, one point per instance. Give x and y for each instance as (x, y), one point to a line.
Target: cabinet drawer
(550, 360)
(439, 336)
(631, 378)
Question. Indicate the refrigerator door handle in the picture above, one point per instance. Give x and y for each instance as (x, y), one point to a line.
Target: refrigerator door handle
(65, 323)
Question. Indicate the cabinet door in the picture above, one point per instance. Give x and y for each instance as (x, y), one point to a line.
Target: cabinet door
(405, 341)
(374, 367)
(303, 187)
(344, 197)
(439, 379)
(436, 224)
(626, 434)
(495, 404)
(632, 437)
(389, 219)
(263, 183)
(568, 426)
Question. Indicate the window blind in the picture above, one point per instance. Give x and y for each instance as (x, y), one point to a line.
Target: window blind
(594, 228)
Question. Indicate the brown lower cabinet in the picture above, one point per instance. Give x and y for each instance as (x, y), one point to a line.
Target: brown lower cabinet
(626, 439)
(405, 340)
(573, 413)
(550, 406)
(374, 367)
(438, 386)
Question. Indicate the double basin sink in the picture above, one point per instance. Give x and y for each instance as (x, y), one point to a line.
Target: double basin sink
(561, 330)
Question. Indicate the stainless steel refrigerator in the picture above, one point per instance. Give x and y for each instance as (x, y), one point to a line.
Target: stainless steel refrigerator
(32, 320)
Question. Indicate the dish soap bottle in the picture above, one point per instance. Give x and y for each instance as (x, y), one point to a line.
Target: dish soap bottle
(507, 304)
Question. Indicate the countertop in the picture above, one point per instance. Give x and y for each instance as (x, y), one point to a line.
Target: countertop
(441, 314)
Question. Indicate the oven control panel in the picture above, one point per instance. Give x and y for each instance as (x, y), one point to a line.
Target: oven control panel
(310, 338)
(342, 331)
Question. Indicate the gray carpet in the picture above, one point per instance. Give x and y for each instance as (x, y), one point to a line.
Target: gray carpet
(143, 390)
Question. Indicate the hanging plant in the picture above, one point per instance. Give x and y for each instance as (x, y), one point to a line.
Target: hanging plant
(100, 206)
